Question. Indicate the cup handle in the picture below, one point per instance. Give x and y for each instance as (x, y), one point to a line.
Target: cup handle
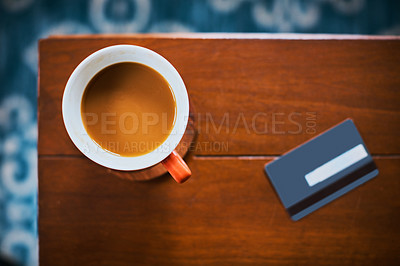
(177, 167)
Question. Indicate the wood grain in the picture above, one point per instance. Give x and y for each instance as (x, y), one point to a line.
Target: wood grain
(226, 214)
(263, 92)
(256, 96)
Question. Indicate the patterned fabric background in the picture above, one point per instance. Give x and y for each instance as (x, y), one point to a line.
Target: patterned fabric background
(23, 22)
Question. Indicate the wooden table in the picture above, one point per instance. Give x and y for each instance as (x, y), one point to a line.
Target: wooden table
(256, 97)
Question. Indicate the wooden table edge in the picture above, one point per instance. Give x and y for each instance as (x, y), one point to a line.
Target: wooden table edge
(223, 35)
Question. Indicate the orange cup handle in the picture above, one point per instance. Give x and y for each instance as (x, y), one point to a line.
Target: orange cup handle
(177, 167)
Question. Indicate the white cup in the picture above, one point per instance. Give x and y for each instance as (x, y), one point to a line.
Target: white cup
(71, 110)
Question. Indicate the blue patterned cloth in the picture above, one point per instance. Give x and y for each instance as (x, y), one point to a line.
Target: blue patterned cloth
(23, 22)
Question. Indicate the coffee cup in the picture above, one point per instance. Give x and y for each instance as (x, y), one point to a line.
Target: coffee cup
(75, 123)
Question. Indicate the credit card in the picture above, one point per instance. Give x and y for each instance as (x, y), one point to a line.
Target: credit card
(321, 170)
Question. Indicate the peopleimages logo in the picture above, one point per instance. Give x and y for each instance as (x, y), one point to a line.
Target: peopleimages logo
(277, 123)
(214, 131)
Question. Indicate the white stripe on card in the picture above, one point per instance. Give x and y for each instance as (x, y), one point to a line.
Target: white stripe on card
(336, 165)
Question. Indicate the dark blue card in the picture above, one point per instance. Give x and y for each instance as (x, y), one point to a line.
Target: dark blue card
(321, 170)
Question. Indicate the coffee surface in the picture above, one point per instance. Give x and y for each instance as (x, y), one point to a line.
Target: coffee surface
(128, 109)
